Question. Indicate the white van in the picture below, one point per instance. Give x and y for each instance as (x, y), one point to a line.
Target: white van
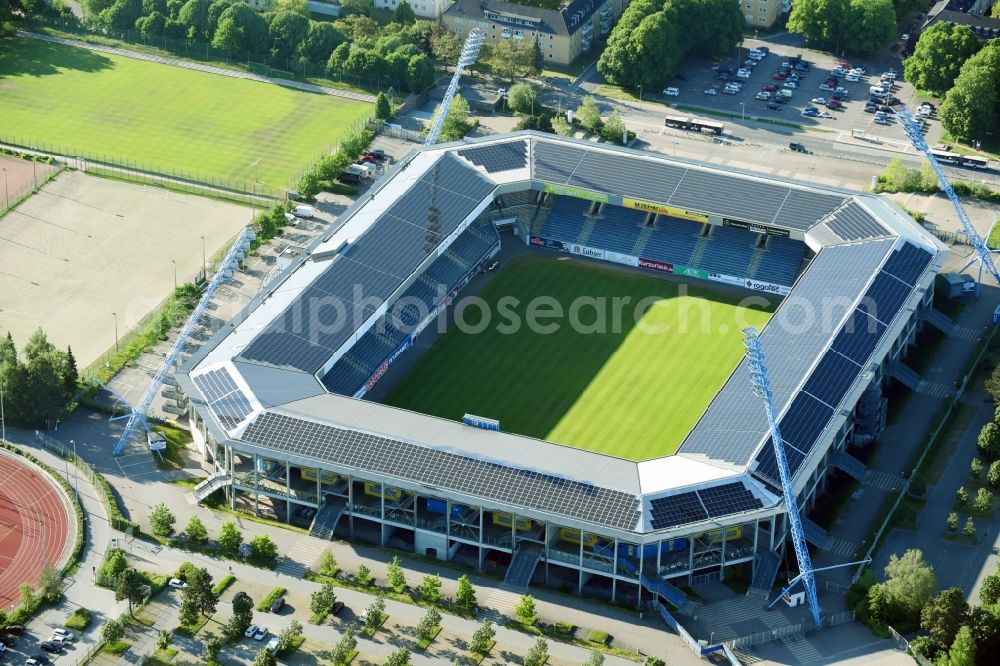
(303, 210)
(878, 91)
(367, 169)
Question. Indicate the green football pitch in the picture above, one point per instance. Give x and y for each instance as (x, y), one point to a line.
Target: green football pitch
(632, 391)
(94, 104)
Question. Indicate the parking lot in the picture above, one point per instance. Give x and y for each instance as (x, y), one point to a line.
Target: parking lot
(703, 83)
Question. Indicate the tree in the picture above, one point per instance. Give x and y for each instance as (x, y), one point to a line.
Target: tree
(561, 127)
(50, 583)
(970, 527)
(199, 590)
(989, 593)
(428, 623)
(419, 72)
(587, 114)
(322, 600)
(465, 596)
(113, 630)
(151, 26)
(196, 531)
(327, 564)
(364, 576)
(187, 615)
(430, 588)
(709, 27)
(983, 501)
(874, 25)
(289, 635)
(645, 47)
(121, 15)
(939, 55)
(522, 98)
(241, 618)
(114, 564)
(482, 637)
(404, 14)
(375, 614)
(400, 657)
(525, 610)
(975, 468)
(344, 647)
(265, 658)
(308, 185)
(445, 45)
(654, 661)
(287, 32)
(963, 650)
(971, 109)
(240, 28)
(163, 639)
(322, 39)
(161, 520)
(228, 36)
(538, 653)
(952, 522)
(509, 58)
(594, 659)
(338, 58)
(824, 23)
(985, 624)
(210, 650)
(944, 614)
(230, 537)
(993, 474)
(300, 7)
(456, 124)
(613, 128)
(992, 385)
(194, 16)
(382, 109)
(910, 582)
(962, 495)
(130, 588)
(262, 547)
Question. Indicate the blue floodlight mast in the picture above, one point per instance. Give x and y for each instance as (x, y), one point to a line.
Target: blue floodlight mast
(465, 59)
(762, 387)
(983, 253)
(138, 415)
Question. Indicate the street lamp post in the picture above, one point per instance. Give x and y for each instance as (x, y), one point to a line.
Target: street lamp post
(204, 260)
(174, 262)
(76, 479)
(115, 315)
(743, 111)
(6, 193)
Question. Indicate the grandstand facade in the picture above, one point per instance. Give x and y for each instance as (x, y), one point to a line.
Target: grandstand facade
(277, 402)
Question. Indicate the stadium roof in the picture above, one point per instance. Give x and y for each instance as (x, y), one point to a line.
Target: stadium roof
(256, 383)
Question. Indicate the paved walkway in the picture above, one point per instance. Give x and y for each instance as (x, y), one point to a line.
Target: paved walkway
(200, 67)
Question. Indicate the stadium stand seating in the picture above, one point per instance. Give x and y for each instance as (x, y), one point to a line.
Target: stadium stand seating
(722, 250)
(381, 340)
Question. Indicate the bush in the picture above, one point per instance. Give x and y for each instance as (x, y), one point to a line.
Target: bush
(265, 603)
(962, 495)
(970, 527)
(952, 522)
(161, 520)
(975, 468)
(983, 501)
(221, 586)
(993, 474)
(195, 530)
(599, 637)
(230, 536)
(263, 548)
(988, 443)
(364, 576)
(79, 619)
(525, 610)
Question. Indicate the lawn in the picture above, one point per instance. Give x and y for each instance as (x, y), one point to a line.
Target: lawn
(634, 392)
(164, 118)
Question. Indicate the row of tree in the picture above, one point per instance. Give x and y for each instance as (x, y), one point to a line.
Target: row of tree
(38, 383)
(652, 37)
(858, 26)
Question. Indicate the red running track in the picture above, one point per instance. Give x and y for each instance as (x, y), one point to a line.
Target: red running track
(34, 526)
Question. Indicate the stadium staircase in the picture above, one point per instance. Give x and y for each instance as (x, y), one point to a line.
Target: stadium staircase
(905, 375)
(755, 261)
(815, 534)
(764, 574)
(667, 591)
(640, 242)
(588, 229)
(211, 484)
(699, 251)
(850, 465)
(938, 320)
(522, 566)
(325, 521)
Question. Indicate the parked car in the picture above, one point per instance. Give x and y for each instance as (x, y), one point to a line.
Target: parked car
(671, 92)
(711, 91)
(15, 629)
(791, 85)
(826, 87)
(870, 108)
(882, 121)
(8, 640)
(853, 78)
(810, 112)
(278, 604)
(41, 658)
(177, 583)
(802, 66)
(272, 644)
(839, 96)
(774, 107)
(49, 646)
(743, 74)
(834, 104)
(378, 154)
(261, 634)
(891, 75)
(251, 630)
(763, 95)
(778, 76)
(32, 662)
(337, 607)
(770, 87)
(798, 147)
(825, 114)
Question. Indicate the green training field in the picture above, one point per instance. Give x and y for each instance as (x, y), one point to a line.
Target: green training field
(634, 394)
(94, 104)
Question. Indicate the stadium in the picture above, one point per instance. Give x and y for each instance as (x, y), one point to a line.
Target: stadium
(357, 395)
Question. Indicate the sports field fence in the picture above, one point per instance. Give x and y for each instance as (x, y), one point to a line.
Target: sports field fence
(147, 173)
(13, 198)
(260, 63)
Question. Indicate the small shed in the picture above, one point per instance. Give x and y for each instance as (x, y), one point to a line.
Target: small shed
(953, 285)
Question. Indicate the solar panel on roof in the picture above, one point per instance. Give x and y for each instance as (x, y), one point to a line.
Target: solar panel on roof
(223, 396)
(766, 467)
(805, 419)
(680, 509)
(907, 263)
(852, 222)
(885, 296)
(500, 157)
(832, 378)
(859, 336)
(727, 499)
(480, 478)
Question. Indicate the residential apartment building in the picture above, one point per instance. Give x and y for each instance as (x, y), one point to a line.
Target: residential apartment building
(563, 34)
(763, 13)
(425, 8)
